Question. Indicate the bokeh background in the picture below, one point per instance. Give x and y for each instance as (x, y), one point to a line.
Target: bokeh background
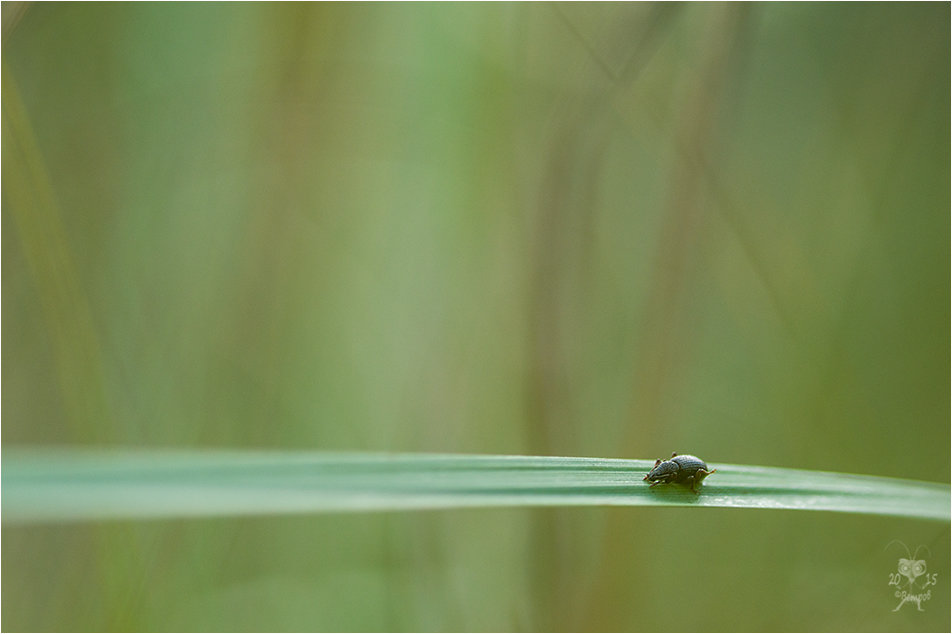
(612, 230)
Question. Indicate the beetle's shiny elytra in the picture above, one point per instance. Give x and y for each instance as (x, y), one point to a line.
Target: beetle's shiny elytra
(689, 470)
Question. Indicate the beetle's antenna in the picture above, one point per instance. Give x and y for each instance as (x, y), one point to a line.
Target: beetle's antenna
(896, 541)
(916, 556)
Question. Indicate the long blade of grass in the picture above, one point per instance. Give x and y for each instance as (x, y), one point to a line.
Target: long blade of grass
(71, 485)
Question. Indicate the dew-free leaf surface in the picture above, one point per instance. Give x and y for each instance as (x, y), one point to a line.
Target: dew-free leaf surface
(71, 485)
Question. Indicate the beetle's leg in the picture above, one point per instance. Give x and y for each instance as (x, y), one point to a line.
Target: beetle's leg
(700, 475)
(656, 483)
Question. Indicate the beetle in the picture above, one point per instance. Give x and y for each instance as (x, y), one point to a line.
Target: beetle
(683, 469)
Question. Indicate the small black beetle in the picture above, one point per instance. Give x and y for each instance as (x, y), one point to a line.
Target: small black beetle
(684, 469)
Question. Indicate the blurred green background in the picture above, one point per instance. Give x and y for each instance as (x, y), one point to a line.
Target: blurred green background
(613, 230)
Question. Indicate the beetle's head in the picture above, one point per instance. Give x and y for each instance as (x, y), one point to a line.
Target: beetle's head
(662, 470)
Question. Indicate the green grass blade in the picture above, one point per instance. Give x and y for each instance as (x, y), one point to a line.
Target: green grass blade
(70, 485)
